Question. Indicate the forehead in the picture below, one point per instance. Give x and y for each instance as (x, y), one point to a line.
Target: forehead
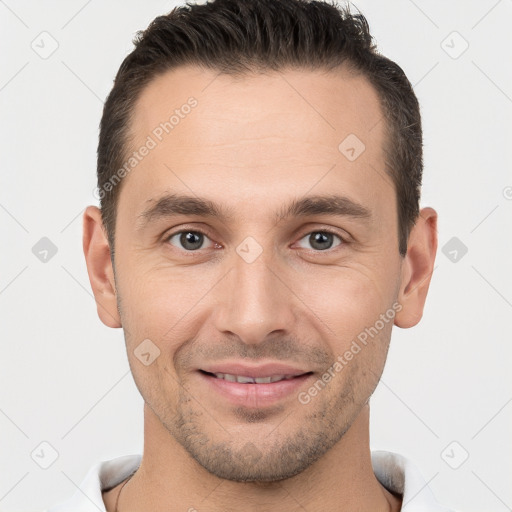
(332, 103)
(234, 139)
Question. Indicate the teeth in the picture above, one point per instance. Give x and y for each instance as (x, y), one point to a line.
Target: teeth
(252, 380)
(263, 380)
(244, 380)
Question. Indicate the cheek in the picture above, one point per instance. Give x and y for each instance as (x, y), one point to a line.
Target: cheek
(163, 306)
(159, 299)
(156, 384)
(346, 299)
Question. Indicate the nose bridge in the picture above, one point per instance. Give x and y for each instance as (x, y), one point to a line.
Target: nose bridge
(254, 301)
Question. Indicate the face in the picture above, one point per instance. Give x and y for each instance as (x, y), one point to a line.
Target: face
(281, 252)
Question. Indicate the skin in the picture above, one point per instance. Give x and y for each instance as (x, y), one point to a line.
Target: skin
(253, 144)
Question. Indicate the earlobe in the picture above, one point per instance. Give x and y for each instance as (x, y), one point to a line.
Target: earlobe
(417, 269)
(99, 267)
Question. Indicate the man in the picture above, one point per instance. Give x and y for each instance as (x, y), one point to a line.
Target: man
(259, 171)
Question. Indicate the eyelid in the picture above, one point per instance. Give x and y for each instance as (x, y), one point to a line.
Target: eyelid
(345, 239)
(315, 227)
(187, 229)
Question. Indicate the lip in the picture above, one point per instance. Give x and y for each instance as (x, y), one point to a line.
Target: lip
(255, 396)
(255, 371)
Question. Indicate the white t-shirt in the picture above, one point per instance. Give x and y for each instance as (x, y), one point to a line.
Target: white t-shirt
(393, 471)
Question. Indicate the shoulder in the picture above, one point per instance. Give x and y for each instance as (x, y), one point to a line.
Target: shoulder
(100, 482)
(401, 476)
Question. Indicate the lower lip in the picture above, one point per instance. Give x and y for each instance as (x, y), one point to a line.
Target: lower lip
(255, 395)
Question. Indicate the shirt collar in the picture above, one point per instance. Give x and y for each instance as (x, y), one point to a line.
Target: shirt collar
(395, 472)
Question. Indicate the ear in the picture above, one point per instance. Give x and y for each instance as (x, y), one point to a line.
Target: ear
(99, 267)
(417, 269)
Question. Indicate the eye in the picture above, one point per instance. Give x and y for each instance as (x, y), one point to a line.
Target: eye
(189, 240)
(321, 240)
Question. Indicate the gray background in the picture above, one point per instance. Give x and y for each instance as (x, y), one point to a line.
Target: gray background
(65, 377)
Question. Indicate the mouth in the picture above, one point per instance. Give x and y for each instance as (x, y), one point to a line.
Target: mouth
(245, 379)
(253, 387)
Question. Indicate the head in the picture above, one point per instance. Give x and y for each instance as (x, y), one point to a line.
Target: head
(259, 171)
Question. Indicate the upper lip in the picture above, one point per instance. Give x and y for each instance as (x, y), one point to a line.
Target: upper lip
(255, 371)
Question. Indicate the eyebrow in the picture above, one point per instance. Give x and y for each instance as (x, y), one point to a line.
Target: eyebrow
(171, 205)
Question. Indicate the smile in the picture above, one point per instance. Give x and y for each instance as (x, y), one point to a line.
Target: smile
(253, 387)
(243, 379)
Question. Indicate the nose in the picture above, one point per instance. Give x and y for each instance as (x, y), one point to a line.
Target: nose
(254, 301)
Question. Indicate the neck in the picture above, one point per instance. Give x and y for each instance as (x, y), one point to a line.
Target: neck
(169, 479)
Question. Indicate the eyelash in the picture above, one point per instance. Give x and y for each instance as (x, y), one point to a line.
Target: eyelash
(343, 239)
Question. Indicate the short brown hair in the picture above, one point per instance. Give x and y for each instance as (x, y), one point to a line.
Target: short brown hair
(241, 36)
